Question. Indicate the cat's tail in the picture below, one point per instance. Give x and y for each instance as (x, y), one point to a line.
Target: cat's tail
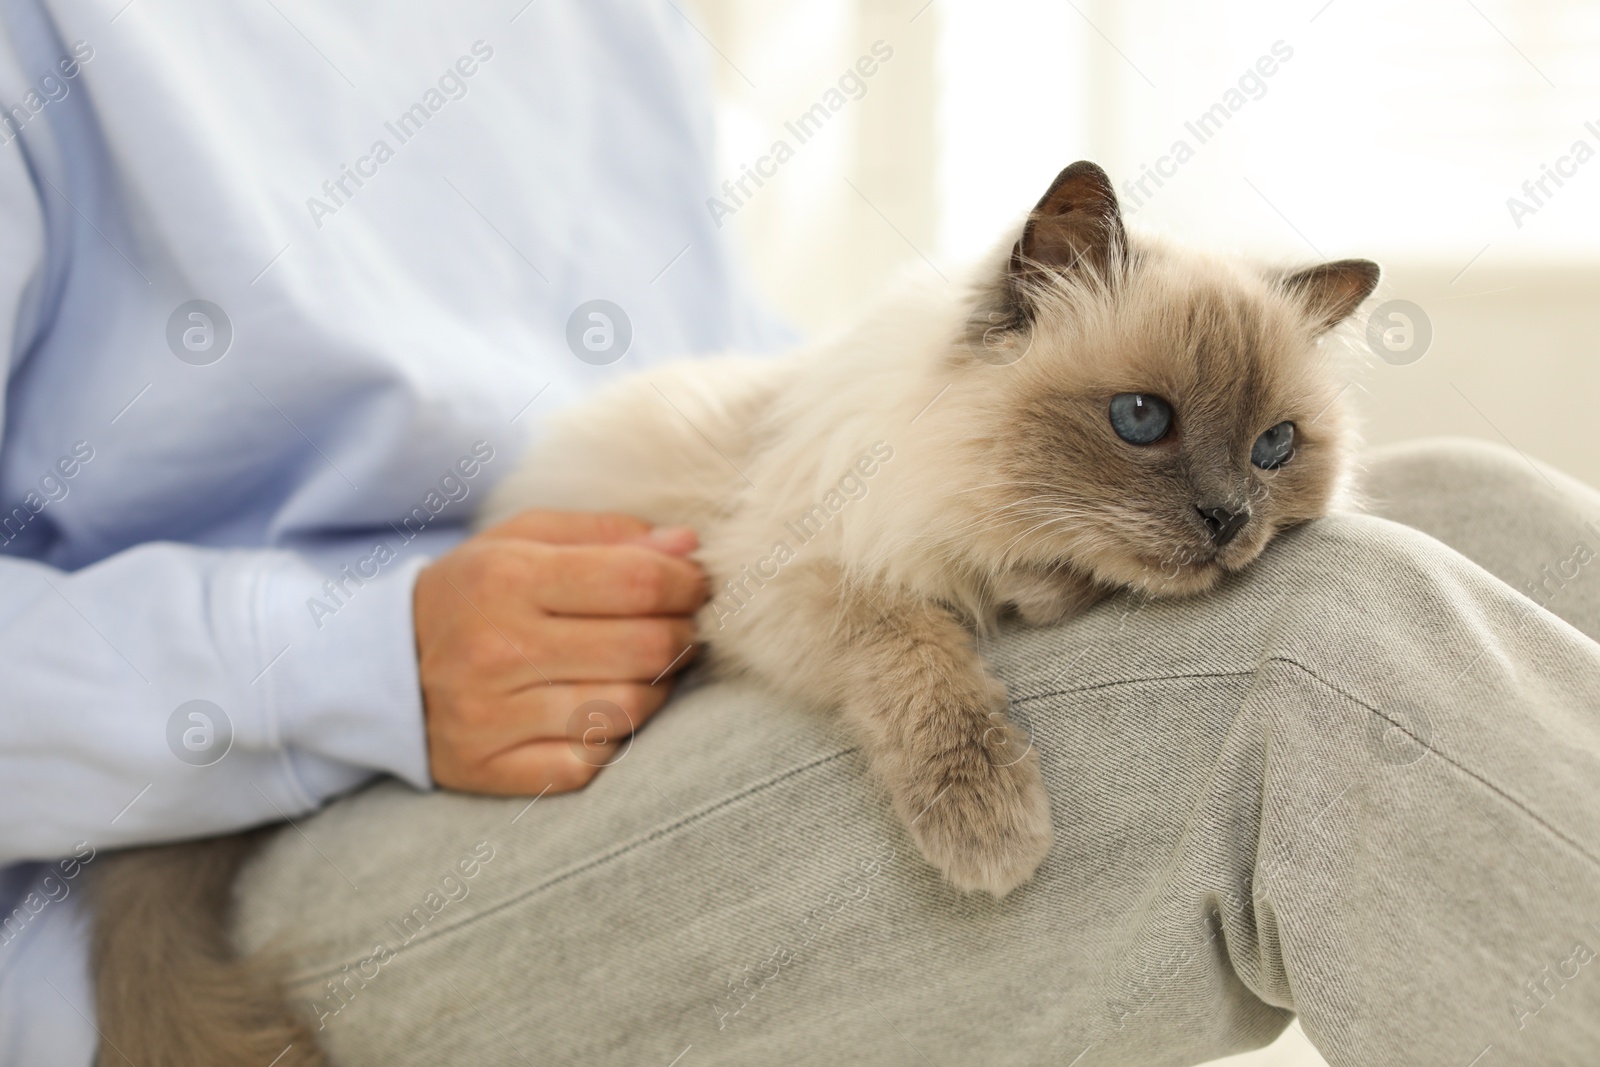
(169, 990)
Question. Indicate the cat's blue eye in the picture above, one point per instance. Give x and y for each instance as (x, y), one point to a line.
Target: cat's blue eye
(1139, 418)
(1273, 448)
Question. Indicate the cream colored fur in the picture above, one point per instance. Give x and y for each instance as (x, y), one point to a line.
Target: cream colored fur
(960, 517)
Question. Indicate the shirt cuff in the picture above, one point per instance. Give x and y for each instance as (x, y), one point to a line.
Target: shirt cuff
(343, 693)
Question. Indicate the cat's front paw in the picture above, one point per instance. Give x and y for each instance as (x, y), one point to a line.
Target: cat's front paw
(980, 812)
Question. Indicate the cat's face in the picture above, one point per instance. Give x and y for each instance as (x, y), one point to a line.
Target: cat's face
(1157, 415)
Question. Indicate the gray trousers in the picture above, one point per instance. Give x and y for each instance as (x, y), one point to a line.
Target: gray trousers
(1359, 783)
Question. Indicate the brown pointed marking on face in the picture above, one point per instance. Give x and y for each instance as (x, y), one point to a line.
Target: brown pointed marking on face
(1234, 352)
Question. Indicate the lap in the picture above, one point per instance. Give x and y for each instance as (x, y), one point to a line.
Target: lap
(1296, 794)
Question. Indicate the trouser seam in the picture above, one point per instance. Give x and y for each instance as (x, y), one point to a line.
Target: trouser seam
(1503, 794)
(1143, 680)
(602, 859)
(1497, 790)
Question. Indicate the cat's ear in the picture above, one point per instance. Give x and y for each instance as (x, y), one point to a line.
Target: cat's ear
(1076, 225)
(1076, 229)
(1331, 292)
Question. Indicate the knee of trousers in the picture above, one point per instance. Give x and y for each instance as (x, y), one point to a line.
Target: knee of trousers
(1312, 727)
(1386, 637)
(1457, 487)
(1518, 519)
(1448, 459)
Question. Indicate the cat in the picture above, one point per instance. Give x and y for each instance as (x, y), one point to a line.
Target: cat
(1090, 411)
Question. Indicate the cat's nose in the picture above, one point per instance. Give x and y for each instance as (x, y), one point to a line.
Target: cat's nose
(1223, 523)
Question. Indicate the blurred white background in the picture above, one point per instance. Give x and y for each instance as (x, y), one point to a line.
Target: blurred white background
(1395, 130)
(1391, 129)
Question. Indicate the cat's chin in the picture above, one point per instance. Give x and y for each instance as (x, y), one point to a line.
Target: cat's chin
(1186, 581)
(1193, 577)
(1163, 578)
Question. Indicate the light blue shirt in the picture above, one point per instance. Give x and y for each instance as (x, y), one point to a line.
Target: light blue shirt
(212, 514)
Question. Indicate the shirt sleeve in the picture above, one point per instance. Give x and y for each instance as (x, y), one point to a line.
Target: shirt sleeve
(171, 691)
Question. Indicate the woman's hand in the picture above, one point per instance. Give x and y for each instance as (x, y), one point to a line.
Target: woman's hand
(523, 624)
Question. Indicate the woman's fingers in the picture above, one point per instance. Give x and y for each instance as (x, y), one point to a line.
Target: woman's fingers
(553, 737)
(592, 528)
(591, 711)
(569, 527)
(531, 769)
(617, 580)
(540, 643)
(613, 650)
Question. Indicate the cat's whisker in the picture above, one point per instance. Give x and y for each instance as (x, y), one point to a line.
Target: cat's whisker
(1054, 514)
(1031, 530)
(1012, 482)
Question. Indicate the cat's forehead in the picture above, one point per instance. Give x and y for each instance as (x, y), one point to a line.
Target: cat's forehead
(1212, 333)
(1222, 335)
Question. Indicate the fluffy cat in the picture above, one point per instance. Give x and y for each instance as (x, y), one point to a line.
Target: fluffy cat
(1089, 412)
(1094, 411)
